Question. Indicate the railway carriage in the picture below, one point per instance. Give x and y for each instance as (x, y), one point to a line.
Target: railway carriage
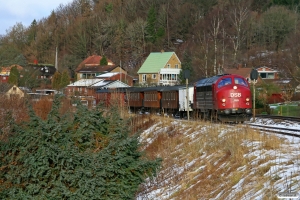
(159, 99)
(111, 96)
(223, 97)
(135, 98)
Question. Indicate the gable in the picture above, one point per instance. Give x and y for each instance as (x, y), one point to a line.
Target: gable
(15, 90)
(155, 61)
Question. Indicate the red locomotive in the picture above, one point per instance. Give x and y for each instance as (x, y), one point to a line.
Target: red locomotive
(223, 97)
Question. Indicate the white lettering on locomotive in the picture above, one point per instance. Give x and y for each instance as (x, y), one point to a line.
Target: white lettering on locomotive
(235, 94)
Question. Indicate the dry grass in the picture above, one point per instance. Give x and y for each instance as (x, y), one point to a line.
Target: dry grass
(211, 162)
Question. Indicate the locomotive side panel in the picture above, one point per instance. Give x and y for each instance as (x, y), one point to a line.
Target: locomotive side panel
(204, 98)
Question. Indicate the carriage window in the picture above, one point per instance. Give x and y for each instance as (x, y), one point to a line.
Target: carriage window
(225, 81)
(240, 81)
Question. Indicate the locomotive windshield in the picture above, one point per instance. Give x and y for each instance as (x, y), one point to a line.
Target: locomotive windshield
(240, 81)
(225, 81)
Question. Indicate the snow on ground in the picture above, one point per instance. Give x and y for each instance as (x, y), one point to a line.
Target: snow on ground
(275, 123)
(271, 171)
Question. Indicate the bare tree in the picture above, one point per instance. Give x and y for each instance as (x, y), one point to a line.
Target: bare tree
(216, 19)
(238, 14)
(204, 43)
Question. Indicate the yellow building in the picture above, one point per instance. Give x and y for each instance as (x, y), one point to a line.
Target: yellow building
(160, 68)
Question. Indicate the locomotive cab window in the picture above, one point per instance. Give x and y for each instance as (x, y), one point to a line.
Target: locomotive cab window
(240, 81)
(225, 81)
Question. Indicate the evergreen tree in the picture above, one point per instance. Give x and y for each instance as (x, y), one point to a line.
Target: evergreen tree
(65, 79)
(85, 155)
(186, 65)
(14, 76)
(56, 81)
(103, 61)
(150, 28)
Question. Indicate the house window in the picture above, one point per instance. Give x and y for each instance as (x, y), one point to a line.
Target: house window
(168, 65)
(14, 88)
(176, 66)
(267, 75)
(153, 76)
(144, 77)
(4, 78)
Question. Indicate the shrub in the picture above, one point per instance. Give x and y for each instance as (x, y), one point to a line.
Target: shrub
(81, 155)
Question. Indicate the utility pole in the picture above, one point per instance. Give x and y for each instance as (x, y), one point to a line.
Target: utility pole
(56, 65)
(187, 99)
(254, 77)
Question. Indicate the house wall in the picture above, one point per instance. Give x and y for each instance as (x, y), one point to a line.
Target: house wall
(4, 79)
(268, 70)
(149, 78)
(119, 69)
(172, 62)
(76, 91)
(14, 92)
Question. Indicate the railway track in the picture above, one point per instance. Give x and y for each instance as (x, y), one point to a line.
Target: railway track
(294, 119)
(277, 130)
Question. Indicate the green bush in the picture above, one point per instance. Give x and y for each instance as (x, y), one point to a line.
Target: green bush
(81, 155)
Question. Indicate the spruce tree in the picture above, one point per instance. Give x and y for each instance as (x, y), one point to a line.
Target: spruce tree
(151, 23)
(65, 79)
(186, 65)
(14, 76)
(103, 61)
(56, 81)
(83, 155)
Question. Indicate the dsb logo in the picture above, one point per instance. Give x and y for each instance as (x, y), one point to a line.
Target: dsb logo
(236, 94)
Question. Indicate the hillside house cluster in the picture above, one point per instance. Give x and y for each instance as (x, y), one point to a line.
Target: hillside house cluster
(159, 68)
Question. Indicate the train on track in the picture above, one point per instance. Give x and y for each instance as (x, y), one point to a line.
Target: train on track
(225, 98)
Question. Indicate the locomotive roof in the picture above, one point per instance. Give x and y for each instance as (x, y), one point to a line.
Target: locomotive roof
(209, 81)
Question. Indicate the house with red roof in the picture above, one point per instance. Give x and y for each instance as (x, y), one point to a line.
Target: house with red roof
(91, 68)
(242, 71)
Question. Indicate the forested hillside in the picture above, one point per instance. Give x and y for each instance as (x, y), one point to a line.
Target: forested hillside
(214, 34)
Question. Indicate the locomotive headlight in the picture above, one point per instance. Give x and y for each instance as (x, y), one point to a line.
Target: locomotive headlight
(235, 87)
(247, 99)
(223, 100)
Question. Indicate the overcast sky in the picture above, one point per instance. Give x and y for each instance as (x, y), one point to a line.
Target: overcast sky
(25, 11)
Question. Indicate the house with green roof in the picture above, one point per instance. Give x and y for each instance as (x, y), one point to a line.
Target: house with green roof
(160, 68)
